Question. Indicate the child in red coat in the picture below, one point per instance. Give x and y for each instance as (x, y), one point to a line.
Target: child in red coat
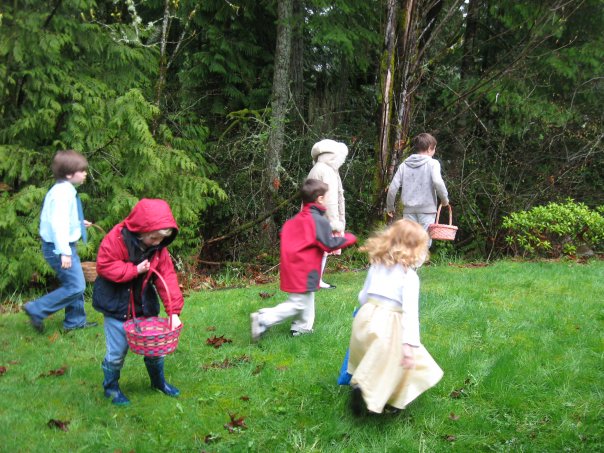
(128, 258)
(304, 239)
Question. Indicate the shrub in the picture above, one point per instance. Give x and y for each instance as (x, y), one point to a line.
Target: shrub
(555, 229)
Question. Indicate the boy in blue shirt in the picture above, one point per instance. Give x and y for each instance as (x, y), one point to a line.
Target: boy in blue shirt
(62, 224)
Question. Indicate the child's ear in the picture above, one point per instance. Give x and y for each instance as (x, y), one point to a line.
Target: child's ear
(69, 176)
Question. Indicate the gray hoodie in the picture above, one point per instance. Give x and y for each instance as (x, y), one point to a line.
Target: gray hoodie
(420, 182)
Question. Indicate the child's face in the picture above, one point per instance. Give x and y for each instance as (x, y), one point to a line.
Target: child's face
(77, 178)
(151, 239)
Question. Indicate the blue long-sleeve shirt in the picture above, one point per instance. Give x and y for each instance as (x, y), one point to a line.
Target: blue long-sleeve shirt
(59, 222)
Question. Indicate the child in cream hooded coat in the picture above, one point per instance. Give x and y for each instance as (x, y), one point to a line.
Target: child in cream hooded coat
(328, 156)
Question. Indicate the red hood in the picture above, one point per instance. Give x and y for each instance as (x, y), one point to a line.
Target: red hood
(150, 215)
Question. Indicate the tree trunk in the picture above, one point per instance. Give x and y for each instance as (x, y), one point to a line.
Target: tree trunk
(468, 57)
(279, 99)
(402, 74)
(280, 94)
(163, 68)
(407, 55)
(387, 68)
(297, 62)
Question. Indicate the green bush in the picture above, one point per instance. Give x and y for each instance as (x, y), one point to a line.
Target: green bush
(555, 229)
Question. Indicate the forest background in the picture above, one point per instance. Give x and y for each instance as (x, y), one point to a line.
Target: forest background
(214, 106)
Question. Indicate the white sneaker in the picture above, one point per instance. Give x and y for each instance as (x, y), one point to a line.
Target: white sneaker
(256, 327)
(298, 333)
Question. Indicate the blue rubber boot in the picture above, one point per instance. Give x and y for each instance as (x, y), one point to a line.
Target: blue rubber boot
(155, 368)
(111, 386)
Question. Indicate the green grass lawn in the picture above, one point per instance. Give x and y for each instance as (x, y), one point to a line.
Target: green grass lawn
(521, 345)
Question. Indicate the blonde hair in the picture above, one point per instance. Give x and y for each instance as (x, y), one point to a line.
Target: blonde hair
(164, 233)
(404, 242)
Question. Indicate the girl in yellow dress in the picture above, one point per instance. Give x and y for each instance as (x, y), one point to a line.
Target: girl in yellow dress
(388, 364)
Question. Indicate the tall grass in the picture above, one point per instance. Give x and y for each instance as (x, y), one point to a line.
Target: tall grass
(521, 345)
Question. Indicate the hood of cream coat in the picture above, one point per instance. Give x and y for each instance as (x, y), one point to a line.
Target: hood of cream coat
(329, 152)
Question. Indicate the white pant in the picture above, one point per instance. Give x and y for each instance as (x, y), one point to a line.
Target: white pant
(424, 220)
(299, 307)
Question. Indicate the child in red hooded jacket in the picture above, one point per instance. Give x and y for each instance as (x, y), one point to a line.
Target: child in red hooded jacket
(127, 260)
(304, 239)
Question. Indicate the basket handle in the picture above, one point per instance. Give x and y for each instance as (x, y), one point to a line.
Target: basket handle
(168, 305)
(98, 227)
(450, 214)
(169, 302)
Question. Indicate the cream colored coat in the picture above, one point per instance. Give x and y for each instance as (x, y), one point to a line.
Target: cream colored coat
(328, 156)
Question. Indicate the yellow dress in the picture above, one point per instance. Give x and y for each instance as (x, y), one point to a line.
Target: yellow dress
(376, 351)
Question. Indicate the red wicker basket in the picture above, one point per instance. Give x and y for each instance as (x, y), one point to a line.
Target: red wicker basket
(441, 231)
(154, 336)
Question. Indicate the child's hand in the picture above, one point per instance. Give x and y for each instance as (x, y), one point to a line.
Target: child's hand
(408, 360)
(390, 214)
(143, 266)
(175, 320)
(87, 223)
(65, 262)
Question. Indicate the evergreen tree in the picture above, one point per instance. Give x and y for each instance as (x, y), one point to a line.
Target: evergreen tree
(77, 76)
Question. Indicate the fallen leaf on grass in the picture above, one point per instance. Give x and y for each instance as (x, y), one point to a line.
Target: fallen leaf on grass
(244, 398)
(453, 417)
(211, 438)
(217, 341)
(236, 424)
(54, 337)
(282, 368)
(462, 391)
(457, 393)
(265, 295)
(2, 370)
(210, 328)
(58, 372)
(450, 438)
(62, 425)
(261, 279)
(258, 369)
(227, 363)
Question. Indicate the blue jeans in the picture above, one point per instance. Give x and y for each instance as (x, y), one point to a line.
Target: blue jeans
(115, 341)
(69, 296)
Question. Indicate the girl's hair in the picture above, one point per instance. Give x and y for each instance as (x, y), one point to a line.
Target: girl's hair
(404, 242)
(67, 163)
(164, 232)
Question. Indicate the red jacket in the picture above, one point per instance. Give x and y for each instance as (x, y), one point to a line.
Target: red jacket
(304, 238)
(115, 286)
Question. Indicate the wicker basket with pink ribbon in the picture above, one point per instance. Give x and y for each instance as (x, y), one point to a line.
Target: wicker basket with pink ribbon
(152, 336)
(442, 231)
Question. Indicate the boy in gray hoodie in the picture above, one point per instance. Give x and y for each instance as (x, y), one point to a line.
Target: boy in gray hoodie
(419, 181)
